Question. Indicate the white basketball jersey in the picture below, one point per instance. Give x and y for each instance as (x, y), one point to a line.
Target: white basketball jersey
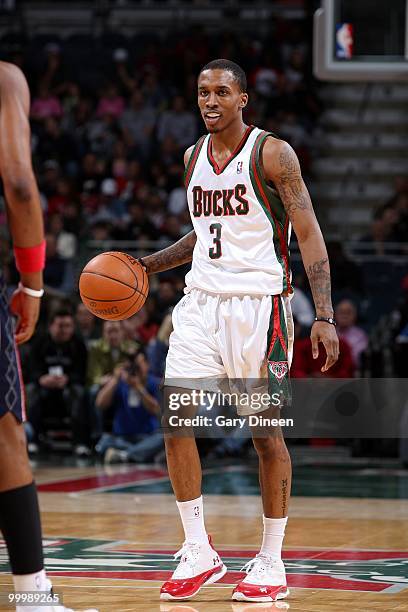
(241, 225)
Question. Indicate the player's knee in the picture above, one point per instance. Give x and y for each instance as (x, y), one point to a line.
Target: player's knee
(13, 441)
(270, 447)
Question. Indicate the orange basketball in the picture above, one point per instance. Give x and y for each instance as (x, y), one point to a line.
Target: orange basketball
(113, 286)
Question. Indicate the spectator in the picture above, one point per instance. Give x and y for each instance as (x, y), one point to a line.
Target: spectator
(171, 229)
(356, 338)
(66, 241)
(138, 226)
(110, 103)
(178, 199)
(100, 231)
(107, 352)
(45, 105)
(141, 327)
(138, 122)
(59, 195)
(381, 230)
(132, 394)
(135, 180)
(152, 90)
(54, 143)
(86, 324)
(111, 207)
(158, 347)
(50, 177)
(167, 295)
(58, 275)
(102, 133)
(302, 308)
(179, 124)
(56, 382)
(346, 275)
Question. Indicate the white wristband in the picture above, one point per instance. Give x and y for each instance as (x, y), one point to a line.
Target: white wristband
(37, 293)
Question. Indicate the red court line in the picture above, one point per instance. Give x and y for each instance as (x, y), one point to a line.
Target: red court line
(97, 482)
(304, 581)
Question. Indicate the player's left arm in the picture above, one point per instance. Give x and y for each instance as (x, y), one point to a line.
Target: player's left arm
(281, 167)
(22, 197)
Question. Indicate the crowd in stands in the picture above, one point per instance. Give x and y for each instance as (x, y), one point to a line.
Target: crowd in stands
(390, 223)
(108, 138)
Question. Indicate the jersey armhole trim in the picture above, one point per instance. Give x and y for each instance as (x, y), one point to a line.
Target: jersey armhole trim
(280, 230)
(188, 172)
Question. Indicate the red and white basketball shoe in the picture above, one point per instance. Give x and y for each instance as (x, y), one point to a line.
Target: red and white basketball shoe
(199, 565)
(265, 580)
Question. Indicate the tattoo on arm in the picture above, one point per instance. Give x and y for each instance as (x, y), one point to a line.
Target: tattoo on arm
(290, 184)
(177, 254)
(319, 279)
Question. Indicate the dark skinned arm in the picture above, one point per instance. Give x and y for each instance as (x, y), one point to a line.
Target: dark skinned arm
(179, 253)
(281, 167)
(23, 205)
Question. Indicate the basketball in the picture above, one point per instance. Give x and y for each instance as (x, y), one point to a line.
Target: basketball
(113, 286)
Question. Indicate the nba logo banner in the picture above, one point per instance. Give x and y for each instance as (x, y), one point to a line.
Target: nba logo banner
(344, 41)
(239, 167)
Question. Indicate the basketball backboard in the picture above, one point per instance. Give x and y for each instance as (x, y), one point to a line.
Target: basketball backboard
(361, 40)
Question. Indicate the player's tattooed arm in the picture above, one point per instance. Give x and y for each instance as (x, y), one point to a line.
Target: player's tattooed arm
(318, 274)
(177, 254)
(281, 167)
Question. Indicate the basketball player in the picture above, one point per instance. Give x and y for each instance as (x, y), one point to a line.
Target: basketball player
(19, 511)
(245, 191)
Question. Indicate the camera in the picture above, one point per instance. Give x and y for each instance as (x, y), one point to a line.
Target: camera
(132, 369)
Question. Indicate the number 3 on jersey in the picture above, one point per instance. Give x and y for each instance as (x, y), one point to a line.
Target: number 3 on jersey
(215, 252)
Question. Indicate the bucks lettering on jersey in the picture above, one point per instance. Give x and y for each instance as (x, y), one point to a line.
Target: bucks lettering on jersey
(241, 225)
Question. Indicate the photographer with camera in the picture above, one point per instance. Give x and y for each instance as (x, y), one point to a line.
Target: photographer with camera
(131, 394)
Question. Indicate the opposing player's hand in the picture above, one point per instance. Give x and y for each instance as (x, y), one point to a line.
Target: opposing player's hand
(27, 309)
(326, 334)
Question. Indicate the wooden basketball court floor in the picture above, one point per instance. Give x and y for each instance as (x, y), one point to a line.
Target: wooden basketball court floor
(111, 531)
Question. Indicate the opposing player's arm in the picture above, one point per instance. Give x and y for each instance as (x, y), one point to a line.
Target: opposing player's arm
(22, 198)
(281, 167)
(179, 253)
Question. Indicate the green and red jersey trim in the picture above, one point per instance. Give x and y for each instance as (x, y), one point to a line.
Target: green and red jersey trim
(188, 172)
(277, 351)
(218, 169)
(273, 208)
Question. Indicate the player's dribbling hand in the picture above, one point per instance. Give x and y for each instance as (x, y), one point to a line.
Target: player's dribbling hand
(326, 334)
(27, 309)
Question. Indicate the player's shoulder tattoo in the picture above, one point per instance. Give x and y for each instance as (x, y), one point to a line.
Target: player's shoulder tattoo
(289, 182)
(288, 161)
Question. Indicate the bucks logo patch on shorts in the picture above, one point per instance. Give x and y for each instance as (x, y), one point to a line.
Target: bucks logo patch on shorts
(277, 352)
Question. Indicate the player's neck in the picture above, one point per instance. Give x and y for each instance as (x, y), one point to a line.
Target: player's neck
(228, 139)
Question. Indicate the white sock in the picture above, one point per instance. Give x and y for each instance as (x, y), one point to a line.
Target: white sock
(30, 582)
(192, 517)
(274, 532)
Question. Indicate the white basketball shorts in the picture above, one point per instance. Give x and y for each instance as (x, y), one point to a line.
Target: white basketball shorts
(217, 336)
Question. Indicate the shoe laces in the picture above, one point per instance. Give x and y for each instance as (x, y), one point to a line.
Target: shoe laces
(188, 555)
(259, 565)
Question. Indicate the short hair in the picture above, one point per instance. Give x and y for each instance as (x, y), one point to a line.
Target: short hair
(60, 312)
(236, 71)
